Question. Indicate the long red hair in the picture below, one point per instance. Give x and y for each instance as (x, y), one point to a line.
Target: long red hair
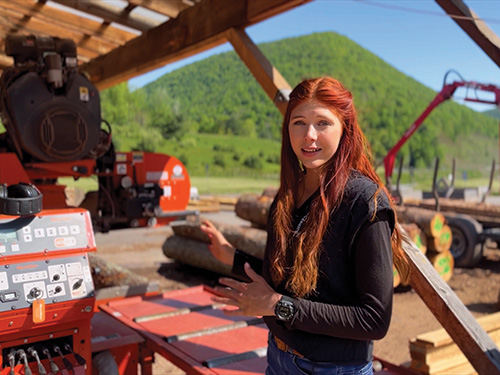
(353, 153)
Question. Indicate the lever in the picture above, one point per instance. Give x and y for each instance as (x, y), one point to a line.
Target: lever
(67, 363)
(53, 366)
(24, 358)
(12, 360)
(77, 356)
(32, 352)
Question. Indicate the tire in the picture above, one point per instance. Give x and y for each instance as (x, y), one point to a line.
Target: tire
(104, 363)
(466, 246)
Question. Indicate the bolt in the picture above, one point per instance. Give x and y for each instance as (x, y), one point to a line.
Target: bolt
(7, 266)
(88, 308)
(11, 324)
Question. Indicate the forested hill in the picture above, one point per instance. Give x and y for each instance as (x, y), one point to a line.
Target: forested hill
(218, 95)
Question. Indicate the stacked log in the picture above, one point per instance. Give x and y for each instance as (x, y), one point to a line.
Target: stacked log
(189, 244)
(435, 353)
(484, 213)
(437, 234)
(427, 229)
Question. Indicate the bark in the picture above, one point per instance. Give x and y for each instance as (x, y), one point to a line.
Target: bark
(431, 222)
(106, 274)
(254, 208)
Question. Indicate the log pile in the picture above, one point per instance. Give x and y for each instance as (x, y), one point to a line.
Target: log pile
(427, 229)
(486, 214)
(434, 233)
(435, 353)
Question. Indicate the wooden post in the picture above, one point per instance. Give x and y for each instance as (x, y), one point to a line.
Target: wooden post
(273, 83)
(444, 304)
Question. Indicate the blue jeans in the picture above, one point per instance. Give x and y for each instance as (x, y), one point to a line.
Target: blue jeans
(284, 363)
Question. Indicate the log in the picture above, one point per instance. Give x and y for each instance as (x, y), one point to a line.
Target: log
(254, 208)
(442, 242)
(416, 235)
(193, 253)
(396, 277)
(431, 222)
(485, 213)
(250, 240)
(107, 274)
(270, 191)
(443, 263)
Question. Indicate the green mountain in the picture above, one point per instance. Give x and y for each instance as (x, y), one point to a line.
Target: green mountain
(219, 96)
(495, 113)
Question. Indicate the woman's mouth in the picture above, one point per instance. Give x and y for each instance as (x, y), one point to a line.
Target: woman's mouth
(310, 151)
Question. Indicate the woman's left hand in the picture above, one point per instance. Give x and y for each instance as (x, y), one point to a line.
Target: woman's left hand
(252, 299)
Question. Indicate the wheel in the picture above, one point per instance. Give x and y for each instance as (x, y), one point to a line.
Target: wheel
(103, 363)
(466, 247)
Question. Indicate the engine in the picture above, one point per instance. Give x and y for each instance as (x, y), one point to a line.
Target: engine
(51, 111)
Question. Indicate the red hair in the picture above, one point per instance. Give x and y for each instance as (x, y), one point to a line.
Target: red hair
(353, 153)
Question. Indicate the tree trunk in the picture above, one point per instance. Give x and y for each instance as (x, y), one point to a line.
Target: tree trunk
(254, 208)
(106, 274)
(250, 240)
(431, 222)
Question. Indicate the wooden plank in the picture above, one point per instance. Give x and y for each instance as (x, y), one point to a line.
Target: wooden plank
(70, 21)
(476, 28)
(110, 13)
(477, 346)
(440, 337)
(170, 8)
(271, 80)
(196, 29)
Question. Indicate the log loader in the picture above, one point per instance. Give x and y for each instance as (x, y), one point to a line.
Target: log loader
(53, 128)
(468, 234)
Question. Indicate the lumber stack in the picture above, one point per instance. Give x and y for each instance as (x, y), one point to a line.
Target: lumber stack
(212, 204)
(434, 353)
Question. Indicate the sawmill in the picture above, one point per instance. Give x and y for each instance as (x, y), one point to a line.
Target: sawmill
(56, 58)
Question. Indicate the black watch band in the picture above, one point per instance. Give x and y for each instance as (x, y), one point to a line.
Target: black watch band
(284, 309)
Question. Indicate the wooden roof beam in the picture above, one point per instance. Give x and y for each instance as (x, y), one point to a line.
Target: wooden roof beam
(69, 21)
(476, 28)
(196, 29)
(33, 25)
(271, 80)
(170, 8)
(110, 13)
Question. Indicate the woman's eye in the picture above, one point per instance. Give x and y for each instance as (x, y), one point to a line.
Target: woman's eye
(299, 122)
(324, 123)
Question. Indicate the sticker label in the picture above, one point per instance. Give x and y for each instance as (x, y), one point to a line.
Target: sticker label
(84, 94)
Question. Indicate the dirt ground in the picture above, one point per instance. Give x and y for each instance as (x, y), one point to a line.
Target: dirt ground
(140, 250)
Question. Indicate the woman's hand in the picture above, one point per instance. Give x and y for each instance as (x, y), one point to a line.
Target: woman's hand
(251, 299)
(220, 248)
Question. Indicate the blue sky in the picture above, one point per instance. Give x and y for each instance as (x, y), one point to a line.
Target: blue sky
(414, 36)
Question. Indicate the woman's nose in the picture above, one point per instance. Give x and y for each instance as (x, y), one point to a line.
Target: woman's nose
(311, 132)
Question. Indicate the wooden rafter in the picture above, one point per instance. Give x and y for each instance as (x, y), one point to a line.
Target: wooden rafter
(70, 21)
(110, 13)
(170, 8)
(477, 29)
(271, 80)
(196, 29)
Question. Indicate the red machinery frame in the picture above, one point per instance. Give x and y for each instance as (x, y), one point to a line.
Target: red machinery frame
(446, 93)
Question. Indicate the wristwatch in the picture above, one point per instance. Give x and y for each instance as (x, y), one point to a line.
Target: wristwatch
(284, 309)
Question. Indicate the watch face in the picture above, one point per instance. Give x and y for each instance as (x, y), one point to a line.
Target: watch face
(284, 309)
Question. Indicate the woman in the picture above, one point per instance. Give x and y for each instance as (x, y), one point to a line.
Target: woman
(326, 284)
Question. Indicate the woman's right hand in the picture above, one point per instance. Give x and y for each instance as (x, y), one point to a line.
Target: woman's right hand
(220, 248)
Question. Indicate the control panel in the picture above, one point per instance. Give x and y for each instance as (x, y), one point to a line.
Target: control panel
(54, 280)
(45, 233)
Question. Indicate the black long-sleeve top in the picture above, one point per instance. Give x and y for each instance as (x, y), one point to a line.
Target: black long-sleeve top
(352, 304)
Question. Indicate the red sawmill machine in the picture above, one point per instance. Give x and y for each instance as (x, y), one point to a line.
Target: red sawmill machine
(52, 117)
(469, 234)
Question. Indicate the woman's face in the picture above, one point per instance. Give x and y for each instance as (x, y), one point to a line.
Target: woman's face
(315, 133)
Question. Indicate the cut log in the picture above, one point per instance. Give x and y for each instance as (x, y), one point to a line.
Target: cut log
(193, 253)
(416, 235)
(483, 212)
(442, 242)
(270, 191)
(106, 274)
(250, 240)
(254, 208)
(443, 263)
(431, 222)
(396, 277)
